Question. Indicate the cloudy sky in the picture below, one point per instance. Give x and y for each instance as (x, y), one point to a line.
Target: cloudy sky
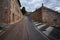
(32, 5)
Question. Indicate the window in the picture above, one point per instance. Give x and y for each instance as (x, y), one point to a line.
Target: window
(13, 17)
(55, 20)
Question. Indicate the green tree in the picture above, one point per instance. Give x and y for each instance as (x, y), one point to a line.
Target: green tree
(23, 10)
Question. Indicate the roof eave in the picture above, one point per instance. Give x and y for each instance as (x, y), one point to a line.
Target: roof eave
(19, 3)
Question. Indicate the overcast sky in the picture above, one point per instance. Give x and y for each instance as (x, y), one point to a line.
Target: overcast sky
(32, 5)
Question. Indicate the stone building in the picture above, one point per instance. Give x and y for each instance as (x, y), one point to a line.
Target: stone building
(50, 17)
(47, 16)
(36, 15)
(10, 11)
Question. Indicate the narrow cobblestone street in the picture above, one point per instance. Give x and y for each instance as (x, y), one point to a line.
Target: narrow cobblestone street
(16, 32)
(24, 30)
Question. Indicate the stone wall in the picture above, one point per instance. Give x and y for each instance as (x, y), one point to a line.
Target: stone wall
(36, 16)
(16, 14)
(50, 17)
(4, 11)
(10, 11)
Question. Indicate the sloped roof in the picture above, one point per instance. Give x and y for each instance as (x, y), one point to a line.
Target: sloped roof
(47, 9)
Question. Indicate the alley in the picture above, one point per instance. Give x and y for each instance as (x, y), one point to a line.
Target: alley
(16, 32)
(24, 30)
(33, 33)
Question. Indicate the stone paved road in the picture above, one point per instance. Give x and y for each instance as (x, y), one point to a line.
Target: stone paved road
(24, 30)
(33, 33)
(17, 31)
